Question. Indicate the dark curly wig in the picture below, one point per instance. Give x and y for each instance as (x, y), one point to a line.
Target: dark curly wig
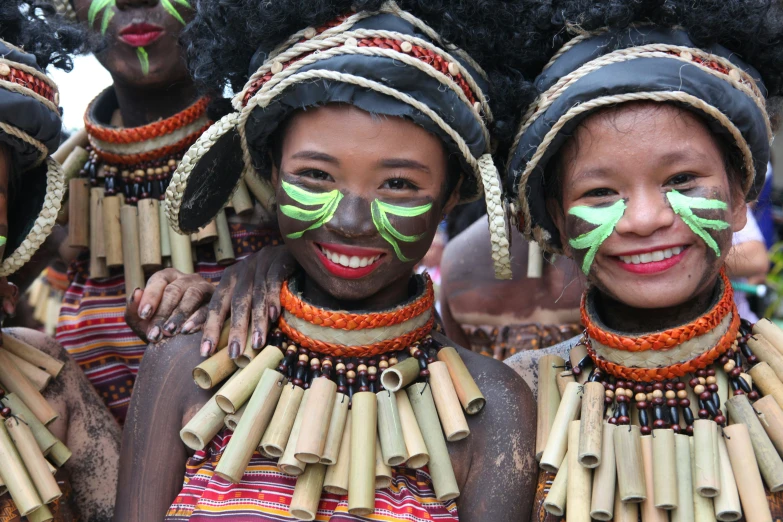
(33, 27)
(501, 36)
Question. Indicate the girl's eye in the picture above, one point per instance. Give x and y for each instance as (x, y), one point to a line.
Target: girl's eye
(315, 174)
(680, 179)
(598, 193)
(399, 184)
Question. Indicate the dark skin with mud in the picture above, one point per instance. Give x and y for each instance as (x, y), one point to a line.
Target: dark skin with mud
(153, 458)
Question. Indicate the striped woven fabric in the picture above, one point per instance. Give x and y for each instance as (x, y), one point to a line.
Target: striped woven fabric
(265, 494)
(92, 325)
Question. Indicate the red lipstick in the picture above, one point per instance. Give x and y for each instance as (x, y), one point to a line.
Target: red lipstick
(140, 35)
(653, 267)
(345, 272)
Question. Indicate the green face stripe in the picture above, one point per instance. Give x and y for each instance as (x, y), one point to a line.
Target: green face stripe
(325, 201)
(380, 219)
(144, 60)
(605, 218)
(169, 7)
(684, 205)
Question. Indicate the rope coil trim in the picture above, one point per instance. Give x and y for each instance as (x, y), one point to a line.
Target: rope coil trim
(43, 152)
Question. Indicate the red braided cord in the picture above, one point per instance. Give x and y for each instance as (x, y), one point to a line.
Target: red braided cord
(293, 304)
(338, 350)
(31, 82)
(669, 338)
(134, 159)
(145, 132)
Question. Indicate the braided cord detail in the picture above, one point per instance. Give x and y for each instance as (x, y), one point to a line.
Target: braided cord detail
(496, 216)
(339, 350)
(293, 304)
(31, 71)
(145, 132)
(20, 134)
(669, 338)
(675, 370)
(26, 91)
(134, 159)
(55, 189)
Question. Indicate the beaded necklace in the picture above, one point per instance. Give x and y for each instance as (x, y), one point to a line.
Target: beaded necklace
(651, 422)
(337, 413)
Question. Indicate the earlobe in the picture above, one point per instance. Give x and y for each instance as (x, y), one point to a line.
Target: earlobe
(453, 198)
(739, 215)
(274, 175)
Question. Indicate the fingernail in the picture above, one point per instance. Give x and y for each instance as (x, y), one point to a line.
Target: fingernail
(132, 297)
(206, 347)
(273, 313)
(233, 349)
(170, 327)
(145, 312)
(187, 326)
(256, 340)
(154, 334)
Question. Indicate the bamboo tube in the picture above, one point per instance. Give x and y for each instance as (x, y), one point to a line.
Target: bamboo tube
(767, 382)
(548, 398)
(703, 510)
(248, 353)
(418, 455)
(181, 254)
(664, 469)
(288, 463)
(79, 212)
(468, 392)
(392, 441)
(149, 234)
(555, 448)
(13, 381)
(555, 501)
(39, 378)
(241, 200)
(134, 275)
(769, 461)
(706, 480)
(205, 424)
(361, 476)
(630, 467)
(442, 473)
(212, 371)
(276, 435)
(33, 460)
(231, 397)
(165, 242)
(592, 418)
(32, 355)
(232, 419)
(400, 375)
(767, 353)
(98, 268)
(112, 232)
(206, 234)
(224, 251)
(59, 454)
(771, 419)
(579, 480)
(604, 478)
(624, 511)
(336, 481)
(77, 139)
(383, 472)
(307, 493)
(15, 476)
(336, 428)
(727, 503)
(746, 473)
(535, 260)
(315, 424)
(449, 410)
(649, 512)
(682, 453)
(43, 437)
(562, 379)
(262, 190)
(250, 428)
(42, 514)
(771, 332)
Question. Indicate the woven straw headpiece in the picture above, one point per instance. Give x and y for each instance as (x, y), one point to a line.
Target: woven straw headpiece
(647, 63)
(30, 126)
(387, 62)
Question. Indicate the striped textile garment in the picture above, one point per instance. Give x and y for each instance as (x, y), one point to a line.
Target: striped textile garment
(265, 494)
(92, 328)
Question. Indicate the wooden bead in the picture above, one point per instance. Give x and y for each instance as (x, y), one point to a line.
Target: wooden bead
(276, 67)
(698, 389)
(670, 395)
(640, 397)
(729, 366)
(712, 380)
(5, 70)
(351, 42)
(657, 394)
(406, 47)
(734, 75)
(682, 394)
(310, 32)
(453, 69)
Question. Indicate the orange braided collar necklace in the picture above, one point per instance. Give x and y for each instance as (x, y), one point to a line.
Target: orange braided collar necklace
(347, 334)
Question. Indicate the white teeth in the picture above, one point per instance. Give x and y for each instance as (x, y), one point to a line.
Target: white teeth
(350, 262)
(354, 262)
(363, 262)
(649, 257)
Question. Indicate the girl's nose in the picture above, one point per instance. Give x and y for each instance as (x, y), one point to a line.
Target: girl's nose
(353, 218)
(645, 213)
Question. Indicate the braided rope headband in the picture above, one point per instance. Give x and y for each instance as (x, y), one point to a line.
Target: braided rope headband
(356, 60)
(652, 64)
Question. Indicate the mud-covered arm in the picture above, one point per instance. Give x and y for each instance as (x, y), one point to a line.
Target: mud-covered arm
(152, 462)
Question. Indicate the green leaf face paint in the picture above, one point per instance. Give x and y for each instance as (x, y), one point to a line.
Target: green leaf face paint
(169, 7)
(96, 7)
(684, 206)
(605, 218)
(144, 60)
(380, 219)
(325, 201)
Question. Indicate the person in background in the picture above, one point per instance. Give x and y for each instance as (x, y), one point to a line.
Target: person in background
(748, 262)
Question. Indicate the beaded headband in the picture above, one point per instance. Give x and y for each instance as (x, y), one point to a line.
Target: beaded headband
(386, 62)
(647, 63)
(30, 125)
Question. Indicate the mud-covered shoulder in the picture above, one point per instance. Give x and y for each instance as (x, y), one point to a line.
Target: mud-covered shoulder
(525, 363)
